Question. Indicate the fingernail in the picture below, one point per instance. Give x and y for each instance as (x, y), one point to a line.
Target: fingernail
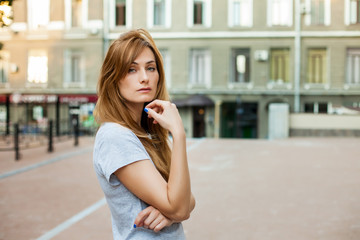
(146, 110)
(134, 225)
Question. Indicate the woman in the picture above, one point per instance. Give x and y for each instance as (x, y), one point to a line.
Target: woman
(146, 184)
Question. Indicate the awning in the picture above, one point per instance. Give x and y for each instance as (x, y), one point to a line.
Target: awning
(194, 101)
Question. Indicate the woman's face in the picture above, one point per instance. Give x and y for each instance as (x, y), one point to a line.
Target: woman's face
(140, 83)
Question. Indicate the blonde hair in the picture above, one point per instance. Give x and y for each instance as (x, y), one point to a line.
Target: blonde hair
(111, 107)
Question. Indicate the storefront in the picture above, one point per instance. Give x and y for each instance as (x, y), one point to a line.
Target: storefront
(33, 111)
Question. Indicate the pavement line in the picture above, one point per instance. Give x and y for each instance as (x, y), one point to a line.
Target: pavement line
(46, 162)
(61, 227)
(76, 218)
(195, 145)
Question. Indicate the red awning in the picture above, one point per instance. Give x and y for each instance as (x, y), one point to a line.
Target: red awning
(79, 98)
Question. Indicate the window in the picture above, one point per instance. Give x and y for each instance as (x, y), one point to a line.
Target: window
(240, 70)
(200, 67)
(120, 13)
(38, 13)
(159, 13)
(76, 13)
(240, 13)
(354, 11)
(280, 12)
(279, 65)
(4, 67)
(316, 107)
(167, 65)
(199, 13)
(316, 72)
(37, 67)
(353, 66)
(319, 12)
(74, 68)
(120, 16)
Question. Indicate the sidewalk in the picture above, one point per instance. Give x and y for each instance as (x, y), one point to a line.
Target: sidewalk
(245, 189)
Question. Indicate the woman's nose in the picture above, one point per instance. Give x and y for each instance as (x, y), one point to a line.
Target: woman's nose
(144, 76)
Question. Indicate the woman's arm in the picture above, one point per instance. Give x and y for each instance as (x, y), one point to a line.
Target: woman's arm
(172, 198)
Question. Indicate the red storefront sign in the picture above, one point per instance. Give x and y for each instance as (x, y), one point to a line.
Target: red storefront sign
(81, 98)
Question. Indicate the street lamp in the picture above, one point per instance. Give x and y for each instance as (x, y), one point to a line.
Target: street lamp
(6, 13)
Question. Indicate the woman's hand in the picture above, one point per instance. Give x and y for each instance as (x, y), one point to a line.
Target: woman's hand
(151, 218)
(166, 114)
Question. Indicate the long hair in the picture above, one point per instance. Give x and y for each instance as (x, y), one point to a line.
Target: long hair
(111, 106)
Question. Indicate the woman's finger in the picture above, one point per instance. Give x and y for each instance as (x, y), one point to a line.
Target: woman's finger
(154, 214)
(161, 225)
(157, 103)
(139, 220)
(156, 221)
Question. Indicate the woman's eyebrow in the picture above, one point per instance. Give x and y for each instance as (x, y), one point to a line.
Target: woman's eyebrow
(151, 61)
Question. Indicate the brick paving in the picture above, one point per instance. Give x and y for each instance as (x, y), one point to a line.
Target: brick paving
(297, 188)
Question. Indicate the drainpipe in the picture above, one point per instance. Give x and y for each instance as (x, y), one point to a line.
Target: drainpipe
(297, 56)
(105, 27)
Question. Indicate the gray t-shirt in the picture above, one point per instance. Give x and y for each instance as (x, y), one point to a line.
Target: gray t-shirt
(116, 147)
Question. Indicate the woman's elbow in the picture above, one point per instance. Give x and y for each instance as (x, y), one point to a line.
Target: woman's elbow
(180, 216)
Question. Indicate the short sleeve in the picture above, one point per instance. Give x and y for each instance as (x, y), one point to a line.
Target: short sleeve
(120, 147)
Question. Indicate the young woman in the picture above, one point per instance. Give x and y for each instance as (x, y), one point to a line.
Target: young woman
(146, 182)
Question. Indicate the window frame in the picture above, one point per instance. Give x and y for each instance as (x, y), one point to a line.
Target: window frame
(347, 15)
(4, 67)
(284, 23)
(68, 68)
(285, 69)
(165, 53)
(128, 13)
(68, 15)
(167, 14)
(233, 65)
(207, 16)
(37, 53)
(31, 5)
(193, 73)
(327, 14)
(350, 73)
(325, 75)
(231, 18)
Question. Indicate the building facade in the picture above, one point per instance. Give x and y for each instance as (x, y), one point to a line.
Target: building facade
(226, 62)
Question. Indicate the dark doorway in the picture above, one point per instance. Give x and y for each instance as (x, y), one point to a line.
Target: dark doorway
(199, 122)
(239, 120)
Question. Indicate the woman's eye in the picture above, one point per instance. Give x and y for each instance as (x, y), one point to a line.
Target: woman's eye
(152, 69)
(131, 70)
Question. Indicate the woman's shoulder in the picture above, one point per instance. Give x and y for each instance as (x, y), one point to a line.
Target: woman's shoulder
(110, 131)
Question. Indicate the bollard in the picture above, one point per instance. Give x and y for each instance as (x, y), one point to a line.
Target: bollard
(76, 133)
(16, 141)
(50, 129)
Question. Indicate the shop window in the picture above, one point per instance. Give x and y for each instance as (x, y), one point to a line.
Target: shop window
(316, 107)
(167, 65)
(38, 13)
(240, 70)
(120, 13)
(280, 12)
(37, 67)
(199, 13)
(240, 13)
(279, 65)
(316, 72)
(353, 66)
(200, 67)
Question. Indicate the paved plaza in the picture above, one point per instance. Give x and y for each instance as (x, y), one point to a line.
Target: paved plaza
(298, 189)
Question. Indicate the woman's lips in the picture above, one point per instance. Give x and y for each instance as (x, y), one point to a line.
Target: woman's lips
(144, 90)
